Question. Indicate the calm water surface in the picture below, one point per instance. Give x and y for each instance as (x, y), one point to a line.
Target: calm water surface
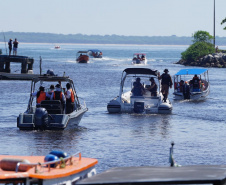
(197, 128)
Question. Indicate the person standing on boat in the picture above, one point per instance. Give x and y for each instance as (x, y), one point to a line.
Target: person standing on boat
(153, 88)
(40, 95)
(10, 46)
(70, 99)
(15, 46)
(58, 95)
(166, 83)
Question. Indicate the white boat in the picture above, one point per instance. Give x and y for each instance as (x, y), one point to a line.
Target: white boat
(55, 168)
(51, 114)
(128, 102)
(139, 58)
(191, 84)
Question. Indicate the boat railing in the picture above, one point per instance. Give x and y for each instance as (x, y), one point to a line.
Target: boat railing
(82, 103)
(60, 162)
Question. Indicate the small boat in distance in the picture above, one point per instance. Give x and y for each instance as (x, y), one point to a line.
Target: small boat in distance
(132, 99)
(51, 114)
(55, 168)
(95, 53)
(57, 47)
(192, 84)
(139, 58)
(82, 57)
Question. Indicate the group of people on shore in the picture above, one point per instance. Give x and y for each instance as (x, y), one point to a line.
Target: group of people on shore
(55, 93)
(166, 83)
(13, 45)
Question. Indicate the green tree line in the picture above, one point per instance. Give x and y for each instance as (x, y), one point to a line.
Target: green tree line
(99, 39)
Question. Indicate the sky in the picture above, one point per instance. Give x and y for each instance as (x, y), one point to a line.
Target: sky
(107, 17)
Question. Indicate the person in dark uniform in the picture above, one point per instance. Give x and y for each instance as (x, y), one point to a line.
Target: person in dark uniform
(153, 88)
(10, 46)
(166, 83)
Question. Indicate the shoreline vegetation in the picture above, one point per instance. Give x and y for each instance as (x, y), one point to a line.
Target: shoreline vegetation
(31, 37)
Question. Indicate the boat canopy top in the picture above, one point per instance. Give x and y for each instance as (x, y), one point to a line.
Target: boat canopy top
(82, 51)
(52, 79)
(95, 50)
(139, 54)
(191, 72)
(145, 71)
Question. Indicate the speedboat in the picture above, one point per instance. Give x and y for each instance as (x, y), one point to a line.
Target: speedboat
(139, 58)
(191, 84)
(57, 47)
(82, 57)
(129, 102)
(55, 168)
(95, 53)
(51, 114)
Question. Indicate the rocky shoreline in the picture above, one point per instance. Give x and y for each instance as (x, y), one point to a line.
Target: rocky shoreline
(211, 60)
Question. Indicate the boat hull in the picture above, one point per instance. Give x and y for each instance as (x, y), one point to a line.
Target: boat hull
(193, 95)
(136, 61)
(26, 121)
(140, 105)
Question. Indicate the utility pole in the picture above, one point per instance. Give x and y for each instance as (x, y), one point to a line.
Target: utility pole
(214, 24)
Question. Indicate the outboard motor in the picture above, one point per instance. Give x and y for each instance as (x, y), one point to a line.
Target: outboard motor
(138, 107)
(41, 118)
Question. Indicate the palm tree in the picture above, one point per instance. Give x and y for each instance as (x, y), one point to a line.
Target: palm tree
(223, 21)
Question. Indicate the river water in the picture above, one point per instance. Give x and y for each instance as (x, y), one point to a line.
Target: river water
(197, 128)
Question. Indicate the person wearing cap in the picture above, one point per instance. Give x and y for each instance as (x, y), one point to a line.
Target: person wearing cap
(10, 46)
(15, 46)
(166, 83)
(70, 99)
(153, 88)
(40, 95)
(58, 95)
(138, 88)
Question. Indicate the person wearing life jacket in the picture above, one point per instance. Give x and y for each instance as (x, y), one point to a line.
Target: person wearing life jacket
(58, 95)
(40, 95)
(196, 83)
(70, 99)
(166, 83)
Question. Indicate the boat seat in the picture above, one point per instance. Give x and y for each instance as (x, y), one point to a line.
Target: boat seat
(52, 106)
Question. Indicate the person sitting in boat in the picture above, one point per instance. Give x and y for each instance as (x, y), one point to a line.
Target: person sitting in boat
(70, 99)
(138, 88)
(181, 86)
(40, 95)
(142, 57)
(50, 92)
(58, 95)
(153, 88)
(138, 57)
(196, 83)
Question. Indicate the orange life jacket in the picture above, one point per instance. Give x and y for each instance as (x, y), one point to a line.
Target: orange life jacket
(72, 99)
(41, 97)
